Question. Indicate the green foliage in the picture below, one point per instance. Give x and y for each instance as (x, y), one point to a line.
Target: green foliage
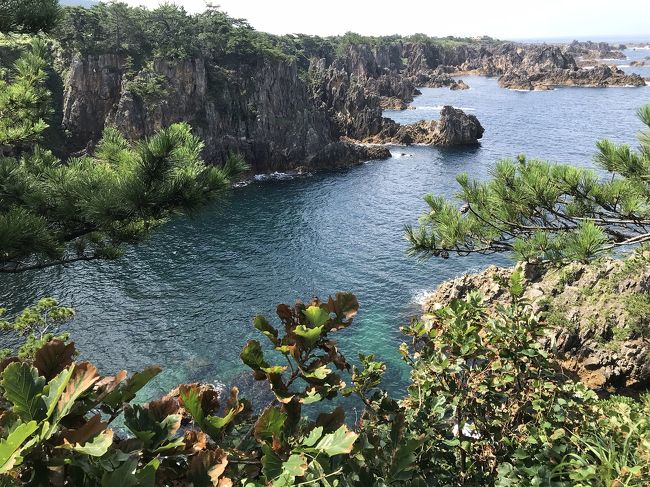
(28, 15)
(165, 32)
(544, 212)
(614, 446)
(487, 398)
(486, 406)
(149, 87)
(37, 324)
(24, 100)
(637, 307)
(56, 416)
(88, 208)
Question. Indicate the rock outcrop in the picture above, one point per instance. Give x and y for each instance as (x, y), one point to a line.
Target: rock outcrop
(598, 76)
(263, 112)
(596, 313)
(454, 127)
(594, 50)
(280, 118)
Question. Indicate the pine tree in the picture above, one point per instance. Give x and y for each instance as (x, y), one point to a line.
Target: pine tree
(545, 212)
(28, 15)
(54, 212)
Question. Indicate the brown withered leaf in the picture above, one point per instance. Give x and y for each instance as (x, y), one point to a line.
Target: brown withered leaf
(163, 407)
(194, 441)
(109, 384)
(6, 361)
(208, 465)
(53, 357)
(87, 431)
(284, 313)
(331, 421)
(83, 378)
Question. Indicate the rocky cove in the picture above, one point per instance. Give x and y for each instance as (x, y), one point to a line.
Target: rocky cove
(281, 116)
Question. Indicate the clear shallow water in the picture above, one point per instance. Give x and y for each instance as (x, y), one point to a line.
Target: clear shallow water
(186, 298)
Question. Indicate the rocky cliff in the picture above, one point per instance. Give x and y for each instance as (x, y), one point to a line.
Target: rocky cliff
(594, 50)
(598, 315)
(281, 118)
(262, 111)
(356, 88)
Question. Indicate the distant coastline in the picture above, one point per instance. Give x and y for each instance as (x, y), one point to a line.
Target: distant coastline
(614, 39)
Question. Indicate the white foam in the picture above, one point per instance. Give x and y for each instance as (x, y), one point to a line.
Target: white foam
(420, 296)
(278, 176)
(440, 107)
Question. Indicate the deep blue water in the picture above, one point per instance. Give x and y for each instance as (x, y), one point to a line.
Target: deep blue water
(186, 298)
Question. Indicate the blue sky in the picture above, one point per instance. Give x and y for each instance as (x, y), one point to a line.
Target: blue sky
(506, 19)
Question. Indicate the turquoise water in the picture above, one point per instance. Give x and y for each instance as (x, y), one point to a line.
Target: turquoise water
(186, 298)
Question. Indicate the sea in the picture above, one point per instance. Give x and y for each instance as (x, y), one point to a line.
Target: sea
(186, 298)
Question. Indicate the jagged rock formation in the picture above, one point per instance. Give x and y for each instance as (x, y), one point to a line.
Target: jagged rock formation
(280, 119)
(598, 76)
(594, 50)
(263, 112)
(355, 102)
(454, 127)
(598, 315)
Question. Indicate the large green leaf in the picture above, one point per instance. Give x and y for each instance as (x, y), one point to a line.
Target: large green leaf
(11, 446)
(295, 466)
(263, 325)
(54, 389)
(316, 315)
(253, 356)
(212, 425)
(337, 443)
(144, 426)
(24, 388)
(271, 463)
(97, 447)
(270, 424)
(124, 475)
(147, 475)
(309, 335)
(191, 401)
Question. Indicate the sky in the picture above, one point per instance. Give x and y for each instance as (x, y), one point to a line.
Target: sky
(504, 19)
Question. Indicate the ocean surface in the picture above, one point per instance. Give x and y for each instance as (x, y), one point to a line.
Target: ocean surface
(185, 299)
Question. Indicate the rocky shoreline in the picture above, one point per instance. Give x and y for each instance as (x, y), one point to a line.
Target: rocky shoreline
(593, 312)
(281, 117)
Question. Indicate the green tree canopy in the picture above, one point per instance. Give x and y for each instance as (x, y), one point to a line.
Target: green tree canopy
(545, 212)
(28, 15)
(86, 208)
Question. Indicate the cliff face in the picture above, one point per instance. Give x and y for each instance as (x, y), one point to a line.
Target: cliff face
(598, 315)
(265, 114)
(356, 88)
